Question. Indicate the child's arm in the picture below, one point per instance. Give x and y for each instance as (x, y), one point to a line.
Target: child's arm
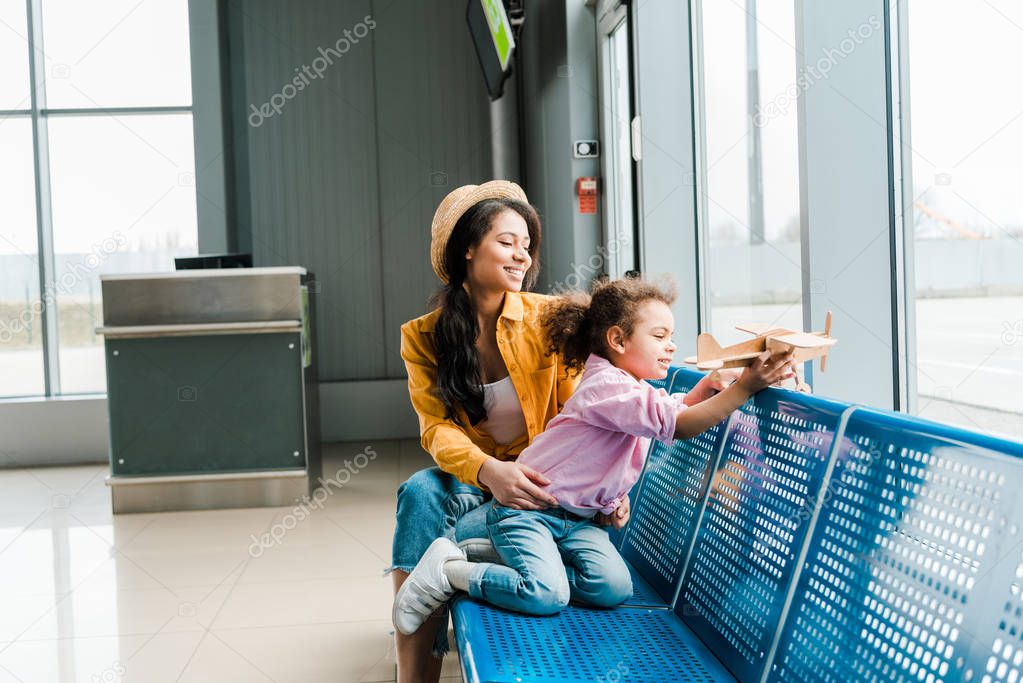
(710, 384)
(765, 370)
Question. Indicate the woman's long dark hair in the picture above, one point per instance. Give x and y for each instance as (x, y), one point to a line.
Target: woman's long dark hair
(459, 381)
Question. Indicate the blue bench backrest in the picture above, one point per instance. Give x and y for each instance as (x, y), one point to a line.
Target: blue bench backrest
(914, 570)
(775, 456)
(666, 509)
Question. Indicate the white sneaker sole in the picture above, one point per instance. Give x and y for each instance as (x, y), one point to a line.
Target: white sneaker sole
(404, 589)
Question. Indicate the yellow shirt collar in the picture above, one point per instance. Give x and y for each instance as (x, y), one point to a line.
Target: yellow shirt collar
(512, 310)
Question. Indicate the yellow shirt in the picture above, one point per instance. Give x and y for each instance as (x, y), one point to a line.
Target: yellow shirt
(540, 381)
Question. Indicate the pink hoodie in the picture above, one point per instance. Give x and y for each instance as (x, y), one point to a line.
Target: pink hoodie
(593, 450)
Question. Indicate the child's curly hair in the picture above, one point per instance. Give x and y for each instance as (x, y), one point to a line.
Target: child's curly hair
(576, 324)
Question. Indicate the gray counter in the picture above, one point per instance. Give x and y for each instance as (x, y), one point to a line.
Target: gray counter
(211, 388)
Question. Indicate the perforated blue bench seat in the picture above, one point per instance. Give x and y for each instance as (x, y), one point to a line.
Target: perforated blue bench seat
(579, 645)
(803, 540)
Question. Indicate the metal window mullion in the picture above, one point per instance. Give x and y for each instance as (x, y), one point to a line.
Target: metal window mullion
(896, 196)
(607, 24)
(44, 214)
(116, 111)
(905, 235)
(638, 233)
(700, 180)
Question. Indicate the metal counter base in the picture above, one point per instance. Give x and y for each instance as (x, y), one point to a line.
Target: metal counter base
(276, 488)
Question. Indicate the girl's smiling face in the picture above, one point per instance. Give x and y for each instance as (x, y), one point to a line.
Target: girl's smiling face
(647, 352)
(501, 259)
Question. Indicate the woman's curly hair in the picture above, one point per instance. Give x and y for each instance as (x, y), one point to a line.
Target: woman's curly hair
(576, 323)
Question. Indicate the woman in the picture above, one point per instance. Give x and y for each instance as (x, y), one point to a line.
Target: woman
(481, 383)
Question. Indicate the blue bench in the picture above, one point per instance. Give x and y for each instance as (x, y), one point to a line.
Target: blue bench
(801, 540)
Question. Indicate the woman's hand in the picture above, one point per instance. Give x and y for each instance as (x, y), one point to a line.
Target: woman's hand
(516, 486)
(767, 369)
(618, 518)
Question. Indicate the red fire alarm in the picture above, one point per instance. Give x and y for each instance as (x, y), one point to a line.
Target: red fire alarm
(586, 188)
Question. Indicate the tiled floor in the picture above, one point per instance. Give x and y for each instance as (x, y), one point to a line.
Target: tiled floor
(192, 596)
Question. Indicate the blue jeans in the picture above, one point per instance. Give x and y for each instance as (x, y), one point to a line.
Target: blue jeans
(430, 504)
(552, 556)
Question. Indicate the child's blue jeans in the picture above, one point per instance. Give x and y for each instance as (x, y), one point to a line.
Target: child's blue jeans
(433, 503)
(552, 556)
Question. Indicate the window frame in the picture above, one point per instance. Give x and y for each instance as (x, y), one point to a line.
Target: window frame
(614, 24)
(40, 114)
(873, 322)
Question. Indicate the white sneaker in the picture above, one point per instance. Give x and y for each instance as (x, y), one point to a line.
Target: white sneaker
(426, 588)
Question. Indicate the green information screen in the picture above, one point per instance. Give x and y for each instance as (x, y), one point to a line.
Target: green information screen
(500, 30)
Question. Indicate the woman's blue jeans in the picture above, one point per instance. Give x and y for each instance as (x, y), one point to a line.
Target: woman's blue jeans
(430, 505)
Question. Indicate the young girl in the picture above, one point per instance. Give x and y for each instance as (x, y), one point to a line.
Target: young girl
(592, 453)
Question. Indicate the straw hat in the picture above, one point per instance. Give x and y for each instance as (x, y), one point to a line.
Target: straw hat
(457, 203)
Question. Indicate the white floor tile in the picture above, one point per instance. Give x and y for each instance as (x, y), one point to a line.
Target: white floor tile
(129, 658)
(265, 594)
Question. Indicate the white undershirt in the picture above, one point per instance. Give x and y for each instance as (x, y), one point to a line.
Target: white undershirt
(505, 422)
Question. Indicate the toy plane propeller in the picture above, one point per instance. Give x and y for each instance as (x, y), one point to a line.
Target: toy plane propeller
(804, 345)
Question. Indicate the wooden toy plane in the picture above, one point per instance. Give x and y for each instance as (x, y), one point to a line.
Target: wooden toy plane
(804, 345)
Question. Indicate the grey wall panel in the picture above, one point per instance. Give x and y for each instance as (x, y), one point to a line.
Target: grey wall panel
(433, 134)
(312, 169)
(559, 91)
(212, 169)
(346, 178)
(379, 409)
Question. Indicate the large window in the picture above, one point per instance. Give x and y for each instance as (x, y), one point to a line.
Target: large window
(96, 174)
(966, 136)
(750, 182)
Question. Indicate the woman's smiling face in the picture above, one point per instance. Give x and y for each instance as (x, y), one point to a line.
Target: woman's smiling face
(501, 259)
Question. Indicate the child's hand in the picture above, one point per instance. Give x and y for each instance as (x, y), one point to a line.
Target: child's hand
(722, 379)
(618, 518)
(767, 369)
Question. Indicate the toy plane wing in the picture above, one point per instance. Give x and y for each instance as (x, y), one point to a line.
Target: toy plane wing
(756, 329)
(803, 340)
